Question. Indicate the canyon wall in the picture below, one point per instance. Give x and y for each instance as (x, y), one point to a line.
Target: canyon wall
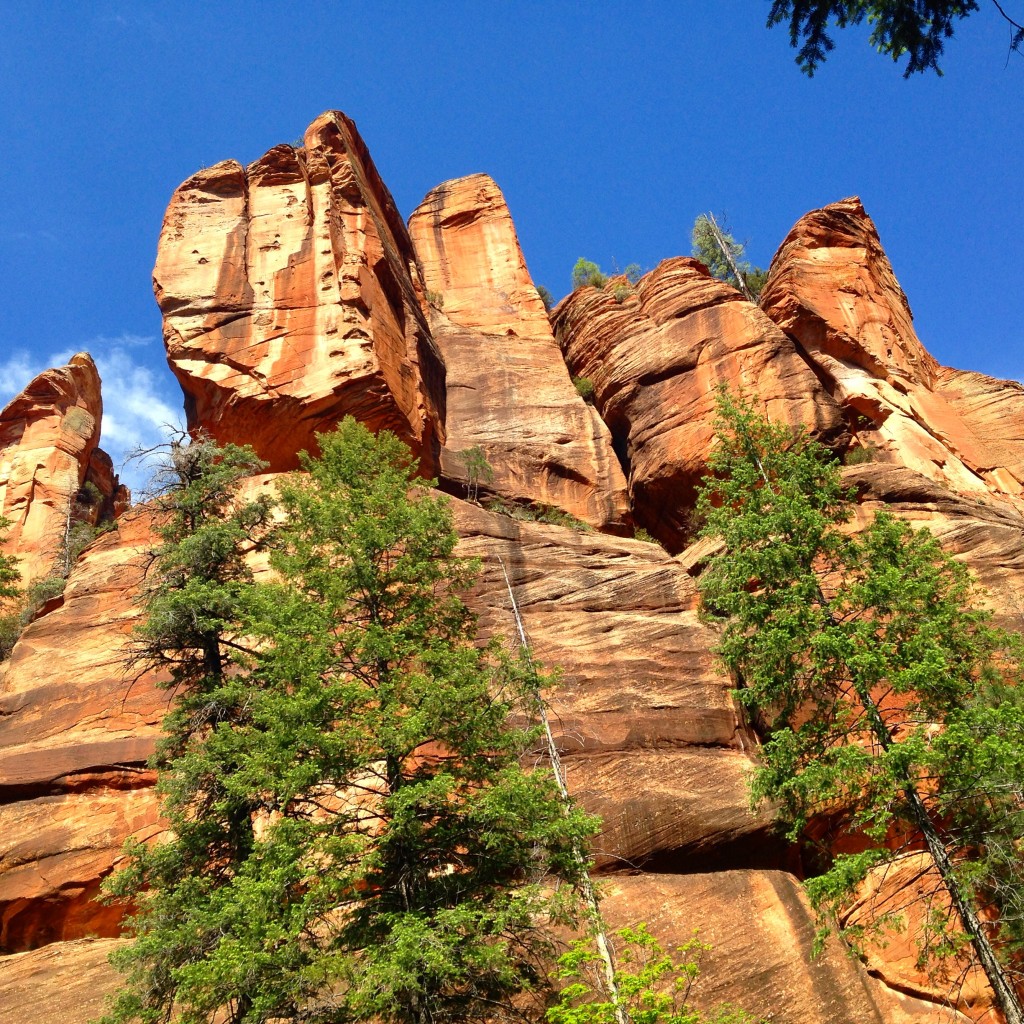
(292, 295)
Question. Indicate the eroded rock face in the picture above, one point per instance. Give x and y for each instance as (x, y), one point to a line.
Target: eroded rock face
(508, 390)
(291, 299)
(651, 737)
(49, 437)
(832, 288)
(77, 724)
(656, 359)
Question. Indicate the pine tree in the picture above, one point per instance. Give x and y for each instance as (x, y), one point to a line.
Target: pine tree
(192, 603)
(888, 700)
(369, 846)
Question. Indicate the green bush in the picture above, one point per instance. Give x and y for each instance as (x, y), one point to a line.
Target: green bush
(654, 985)
(546, 297)
(537, 514)
(587, 275)
(860, 455)
(621, 292)
(584, 388)
(633, 273)
(435, 300)
(39, 593)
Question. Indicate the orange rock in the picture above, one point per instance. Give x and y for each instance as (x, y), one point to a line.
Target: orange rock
(62, 983)
(644, 716)
(48, 448)
(290, 299)
(832, 288)
(655, 360)
(77, 724)
(509, 392)
(910, 890)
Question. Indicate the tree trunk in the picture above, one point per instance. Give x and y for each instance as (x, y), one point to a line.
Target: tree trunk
(1006, 995)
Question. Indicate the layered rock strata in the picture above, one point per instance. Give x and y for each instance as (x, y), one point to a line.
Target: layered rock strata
(831, 287)
(49, 438)
(656, 354)
(77, 724)
(508, 392)
(291, 299)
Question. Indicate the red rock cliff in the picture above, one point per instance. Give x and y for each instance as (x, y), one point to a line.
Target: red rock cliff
(290, 299)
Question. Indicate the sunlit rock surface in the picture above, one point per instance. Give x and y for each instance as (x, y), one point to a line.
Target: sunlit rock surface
(291, 299)
(508, 390)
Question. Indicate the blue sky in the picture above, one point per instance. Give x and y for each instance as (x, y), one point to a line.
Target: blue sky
(608, 126)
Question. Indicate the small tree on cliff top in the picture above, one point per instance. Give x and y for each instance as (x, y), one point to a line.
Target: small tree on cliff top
(883, 690)
(367, 845)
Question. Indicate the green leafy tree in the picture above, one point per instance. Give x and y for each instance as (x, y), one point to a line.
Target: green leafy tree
(363, 842)
(724, 256)
(192, 605)
(586, 274)
(875, 676)
(10, 612)
(546, 297)
(653, 986)
(478, 470)
(915, 29)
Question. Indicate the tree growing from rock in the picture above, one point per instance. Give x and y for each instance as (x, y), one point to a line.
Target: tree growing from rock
(355, 836)
(889, 703)
(725, 257)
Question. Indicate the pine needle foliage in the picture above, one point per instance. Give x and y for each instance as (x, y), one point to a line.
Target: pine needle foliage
(890, 704)
(366, 843)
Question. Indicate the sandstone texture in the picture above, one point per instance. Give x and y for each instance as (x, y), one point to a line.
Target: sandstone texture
(508, 389)
(292, 295)
(77, 724)
(656, 359)
(291, 299)
(49, 437)
(831, 287)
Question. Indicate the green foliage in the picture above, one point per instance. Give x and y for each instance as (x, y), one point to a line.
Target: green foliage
(39, 593)
(584, 388)
(477, 469)
(537, 514)
(707, 250)
(860, 455)
(546, 297)
(654, 985)
(621, 292)
(877, 678)
(639, 533)
(587, 275)
(10, 613)
(435, 300)
(632, 273)
(355, 837)
(917, 31)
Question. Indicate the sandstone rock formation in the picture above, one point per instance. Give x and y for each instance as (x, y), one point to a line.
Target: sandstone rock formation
(291, 299)
(509, 392)
(831, 287)
(292, 295)
(655, 360)
(77, 724)
(49, 437)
